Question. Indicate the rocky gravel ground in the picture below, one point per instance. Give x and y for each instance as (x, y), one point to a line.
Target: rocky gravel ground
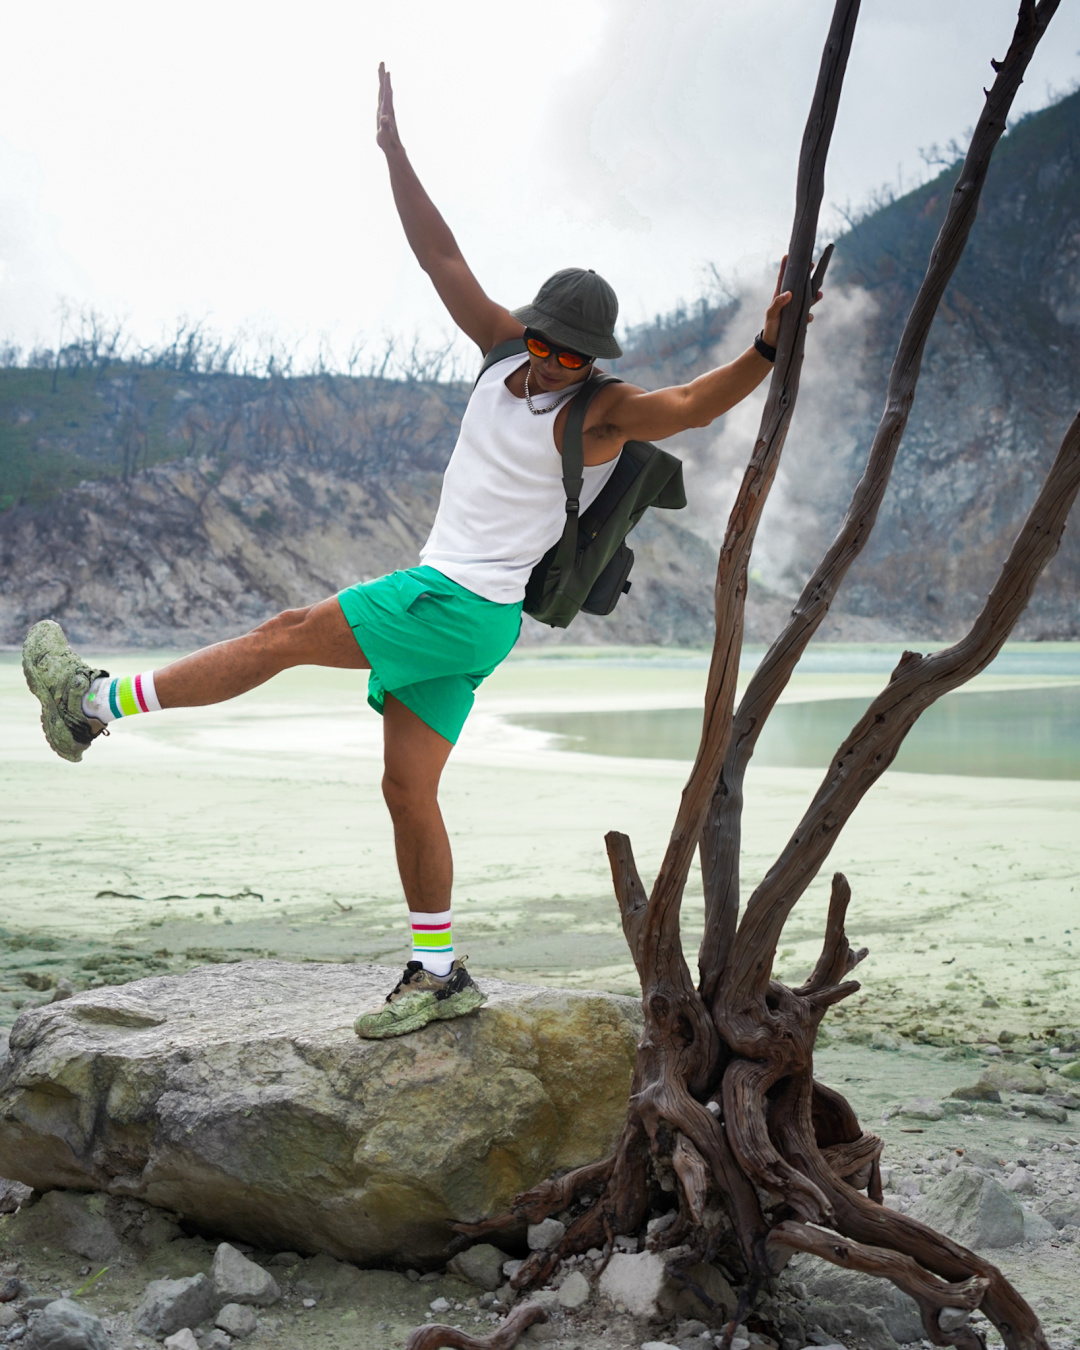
(90, 1272)
(982, 1140)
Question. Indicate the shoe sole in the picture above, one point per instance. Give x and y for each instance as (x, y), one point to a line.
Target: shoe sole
(415, 1011)
(44, 654)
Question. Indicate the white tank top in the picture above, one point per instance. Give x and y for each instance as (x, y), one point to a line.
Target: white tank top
(502, 504)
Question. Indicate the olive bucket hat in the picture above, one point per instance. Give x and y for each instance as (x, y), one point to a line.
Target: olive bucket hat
(577, 307)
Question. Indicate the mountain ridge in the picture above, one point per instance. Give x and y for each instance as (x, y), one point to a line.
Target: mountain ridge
(142, 504)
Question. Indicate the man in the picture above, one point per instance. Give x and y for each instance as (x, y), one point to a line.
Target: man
(431, 634)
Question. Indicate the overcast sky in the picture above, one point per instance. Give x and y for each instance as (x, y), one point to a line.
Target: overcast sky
(218, 159)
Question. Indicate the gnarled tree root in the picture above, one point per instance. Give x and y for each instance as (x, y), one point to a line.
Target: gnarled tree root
(502, 1338)
(929, 1292)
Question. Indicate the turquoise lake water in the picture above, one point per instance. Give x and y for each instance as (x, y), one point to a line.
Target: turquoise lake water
(1016, 733)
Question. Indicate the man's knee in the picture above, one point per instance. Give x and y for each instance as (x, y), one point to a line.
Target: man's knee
(404, 797)
(283, 629)
(285, 621)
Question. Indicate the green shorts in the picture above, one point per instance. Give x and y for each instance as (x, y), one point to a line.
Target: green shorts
(430, 642)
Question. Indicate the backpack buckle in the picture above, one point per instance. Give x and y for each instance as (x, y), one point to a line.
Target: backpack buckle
(572, 505)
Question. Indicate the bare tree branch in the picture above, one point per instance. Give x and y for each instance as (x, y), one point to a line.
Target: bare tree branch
(662, 921)
(917, 682)
(722, 833)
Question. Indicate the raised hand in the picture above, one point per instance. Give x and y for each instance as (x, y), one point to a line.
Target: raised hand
(386, 132)
(781, 299)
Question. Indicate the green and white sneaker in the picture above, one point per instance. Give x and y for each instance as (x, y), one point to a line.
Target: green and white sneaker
(58, 679)
(419, 998)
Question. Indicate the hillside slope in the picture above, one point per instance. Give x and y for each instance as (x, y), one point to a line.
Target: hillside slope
(147, 505)
(1000, 382)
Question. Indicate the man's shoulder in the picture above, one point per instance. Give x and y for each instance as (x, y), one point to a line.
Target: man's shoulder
(607, 398)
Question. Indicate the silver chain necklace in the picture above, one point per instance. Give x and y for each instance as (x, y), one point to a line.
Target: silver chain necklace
(539, 412)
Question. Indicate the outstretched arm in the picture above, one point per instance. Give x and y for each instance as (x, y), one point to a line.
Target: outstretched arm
(478, 317)
(634, 414)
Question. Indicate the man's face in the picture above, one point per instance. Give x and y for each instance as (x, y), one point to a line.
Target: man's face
(547, 374)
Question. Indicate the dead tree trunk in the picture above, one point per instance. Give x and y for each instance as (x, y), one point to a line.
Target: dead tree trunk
(724, 1109)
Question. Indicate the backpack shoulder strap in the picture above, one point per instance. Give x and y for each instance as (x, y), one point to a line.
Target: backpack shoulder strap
(501, 350)
(573, 449)
(573, 466)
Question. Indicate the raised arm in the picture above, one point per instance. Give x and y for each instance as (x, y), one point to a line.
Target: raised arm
(478, 317)
(634, 414)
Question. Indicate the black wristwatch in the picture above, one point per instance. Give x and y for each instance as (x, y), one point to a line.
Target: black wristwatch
(762, 347)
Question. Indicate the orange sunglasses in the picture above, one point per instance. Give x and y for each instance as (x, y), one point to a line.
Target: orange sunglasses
(541, 349)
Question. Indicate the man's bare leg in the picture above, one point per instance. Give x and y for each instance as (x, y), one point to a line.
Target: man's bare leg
(317, 636)
(414, 757)
(77, 702)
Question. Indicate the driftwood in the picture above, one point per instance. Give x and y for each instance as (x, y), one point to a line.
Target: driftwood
(724, 1112)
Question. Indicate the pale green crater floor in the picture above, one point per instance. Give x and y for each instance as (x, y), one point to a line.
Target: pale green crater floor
(259, 825)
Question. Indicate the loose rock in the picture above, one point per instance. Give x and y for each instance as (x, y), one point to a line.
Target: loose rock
(1009, 1077)
(635, 1280)
(184, 1339)
(237, 1319)
(13, 1194)
(542, 1237)
(574, 1291)
(238, 1280)
(982, 1091)
(64, 1325)
(168, 1305)
(923, 1108)
(1021, 1182)
(678, 1297)
(854, 1323)
(78, 1223)
(844, 1288)
(1046, 1111)
(481, 1265)
(1064, 1213)
(972, 1208)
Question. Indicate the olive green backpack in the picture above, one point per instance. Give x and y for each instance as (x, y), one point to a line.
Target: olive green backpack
(589, 568)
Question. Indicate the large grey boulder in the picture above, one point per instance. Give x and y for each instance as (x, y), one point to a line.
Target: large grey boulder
(65, 1325)
(240, 1096)
(972, 1208)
